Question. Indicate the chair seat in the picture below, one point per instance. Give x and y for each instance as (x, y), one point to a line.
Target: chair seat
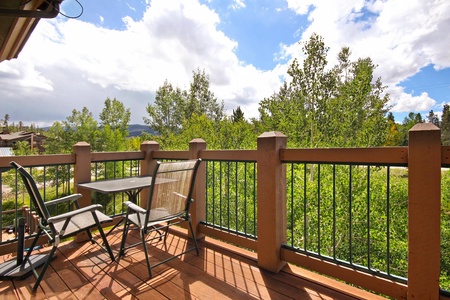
(168, 204)
(81, 222)
(156, 216)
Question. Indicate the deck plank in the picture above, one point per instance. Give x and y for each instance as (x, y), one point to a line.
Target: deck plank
(84, 271)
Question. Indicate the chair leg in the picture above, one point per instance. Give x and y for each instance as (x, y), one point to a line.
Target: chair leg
(105, 242)
(126, 226)
(33, 244)
(144, 244)
(44, 268)
(193, 237)
(166, 231)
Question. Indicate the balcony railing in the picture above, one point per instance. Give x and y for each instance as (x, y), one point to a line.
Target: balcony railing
(288, 204)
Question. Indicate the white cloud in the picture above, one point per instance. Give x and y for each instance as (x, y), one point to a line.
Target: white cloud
(238, 4)
(300, 6)
(89, 63)
(405, 102)
(401, 37)
(69, 64)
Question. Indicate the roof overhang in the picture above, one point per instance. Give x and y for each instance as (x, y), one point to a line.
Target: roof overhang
(18, 18)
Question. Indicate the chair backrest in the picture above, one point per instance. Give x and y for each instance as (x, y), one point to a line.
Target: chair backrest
(33, 191)
(171, 191)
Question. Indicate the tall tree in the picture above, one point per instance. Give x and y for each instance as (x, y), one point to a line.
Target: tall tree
(173, 108)
(115, 119)
(340, 106)
(79, 127)
(238, 115)
(167, 113)
(408, 123)
(393, 137)
(446, 125)
(115, 115)
(201, 99)
(433, 118)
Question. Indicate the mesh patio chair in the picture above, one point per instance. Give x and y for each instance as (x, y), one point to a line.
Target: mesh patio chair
(168, 204)
(58, 227)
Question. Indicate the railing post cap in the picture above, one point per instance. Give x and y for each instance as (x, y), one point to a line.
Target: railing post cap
(197, 140)
(271, 134)
(82, 144)
(149, 143)
(424, 127)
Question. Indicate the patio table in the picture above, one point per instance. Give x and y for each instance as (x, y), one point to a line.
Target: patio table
(132, 186)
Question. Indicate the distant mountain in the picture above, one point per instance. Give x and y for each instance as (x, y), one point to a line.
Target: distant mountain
(136, 130)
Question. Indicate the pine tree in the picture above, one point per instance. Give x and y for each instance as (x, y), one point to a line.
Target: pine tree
(445, 125)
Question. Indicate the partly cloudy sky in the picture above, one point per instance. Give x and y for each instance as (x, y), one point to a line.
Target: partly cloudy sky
(126, 49)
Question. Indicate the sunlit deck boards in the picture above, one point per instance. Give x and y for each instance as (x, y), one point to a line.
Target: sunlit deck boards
(85, 272)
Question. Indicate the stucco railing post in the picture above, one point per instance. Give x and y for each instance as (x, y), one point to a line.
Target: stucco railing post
(198, 207)
(424, 193)
(271, 194)
(82, 174)
(146, 167)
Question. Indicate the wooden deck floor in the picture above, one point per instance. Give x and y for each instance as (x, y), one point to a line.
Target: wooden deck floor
(83, 271)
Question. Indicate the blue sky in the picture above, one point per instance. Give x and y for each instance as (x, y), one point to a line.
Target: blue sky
(125, 49)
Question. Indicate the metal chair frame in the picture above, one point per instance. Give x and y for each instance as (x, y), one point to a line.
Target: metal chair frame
(60, 226)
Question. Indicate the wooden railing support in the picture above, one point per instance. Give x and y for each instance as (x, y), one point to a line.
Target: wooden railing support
(198, 207)
(424, 193)
(82, 171)
(271, 200)
(147, 165)
(82, 174)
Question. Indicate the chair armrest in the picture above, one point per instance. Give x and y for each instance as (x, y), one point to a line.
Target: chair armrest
(134, 207)
(75, 212)
(63, 199)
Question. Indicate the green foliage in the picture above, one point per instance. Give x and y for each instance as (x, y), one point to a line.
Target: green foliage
(116, 116)
(167, 112)
(181, 116)
(238, 115)
(445, 124)
(23, 148)
(408, 123)
(82, 127)
(79, 127)
(433, 118)
(231, 190)
(393, 137)
(341, 107)
(344, 212)
(173, 109)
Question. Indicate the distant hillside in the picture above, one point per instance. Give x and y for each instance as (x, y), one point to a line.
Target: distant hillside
(136, 130)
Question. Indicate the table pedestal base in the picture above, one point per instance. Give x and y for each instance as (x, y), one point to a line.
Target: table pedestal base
(10, 269)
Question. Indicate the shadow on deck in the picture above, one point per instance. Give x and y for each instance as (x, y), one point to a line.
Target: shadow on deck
(221, 271)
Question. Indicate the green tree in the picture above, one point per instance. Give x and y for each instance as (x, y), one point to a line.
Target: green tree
(360, 107)
(167, 113)
(433, 118)
(201, 99)
(79, 127)
(445, 124)
(176, 112)
(5, 124)
(115, 119)
(408, 123)
(342, 107)
(23, 148)
(238, 115)
(393, 135)
(116, 116)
